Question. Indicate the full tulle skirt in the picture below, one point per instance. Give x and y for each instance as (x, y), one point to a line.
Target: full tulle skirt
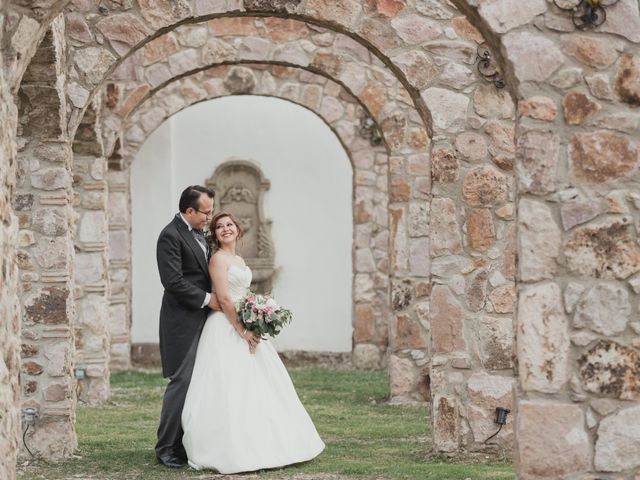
(242, 412)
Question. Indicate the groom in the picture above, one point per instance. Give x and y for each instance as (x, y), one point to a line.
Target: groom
(182, 255)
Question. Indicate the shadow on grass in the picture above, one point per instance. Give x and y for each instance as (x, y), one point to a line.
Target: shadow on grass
(365, 437)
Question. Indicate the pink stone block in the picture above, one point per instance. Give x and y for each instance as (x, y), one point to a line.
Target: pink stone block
(552, 441)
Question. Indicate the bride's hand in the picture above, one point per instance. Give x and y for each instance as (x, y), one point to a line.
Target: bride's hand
(251, 338)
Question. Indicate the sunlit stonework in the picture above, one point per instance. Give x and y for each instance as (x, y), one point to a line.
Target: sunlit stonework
(495, 253)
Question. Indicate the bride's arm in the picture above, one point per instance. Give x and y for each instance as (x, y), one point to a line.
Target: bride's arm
(218, 269)
(214, 304)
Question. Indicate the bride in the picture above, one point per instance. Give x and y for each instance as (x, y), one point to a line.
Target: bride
(241, 412)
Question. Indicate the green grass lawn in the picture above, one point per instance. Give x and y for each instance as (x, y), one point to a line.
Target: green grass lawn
(365, 437)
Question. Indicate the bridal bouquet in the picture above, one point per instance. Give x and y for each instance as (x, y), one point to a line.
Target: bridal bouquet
(262, 315)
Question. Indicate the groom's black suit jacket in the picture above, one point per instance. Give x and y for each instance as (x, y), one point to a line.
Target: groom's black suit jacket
(185, 278)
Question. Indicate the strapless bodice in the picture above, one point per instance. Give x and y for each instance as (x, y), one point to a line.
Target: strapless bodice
(239, 281)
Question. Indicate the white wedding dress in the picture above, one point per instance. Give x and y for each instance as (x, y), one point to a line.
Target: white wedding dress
(242, 412)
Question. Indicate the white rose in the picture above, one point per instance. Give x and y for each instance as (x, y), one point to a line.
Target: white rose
(272, 304)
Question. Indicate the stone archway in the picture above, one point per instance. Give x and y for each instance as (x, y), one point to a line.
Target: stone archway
(409, 188)
(404, 379)
(406, 375)
(342, 113)
(563, 73)
(399, 122)
(403, 190)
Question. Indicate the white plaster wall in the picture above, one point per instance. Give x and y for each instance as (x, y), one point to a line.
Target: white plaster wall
(310, 203)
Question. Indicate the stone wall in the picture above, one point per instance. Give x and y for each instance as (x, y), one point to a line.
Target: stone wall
(119, 215)
(452, 242)
(577, 245)
(91, 261)
(43, 203)
(9, 301)
(472, 246)
(25, 25)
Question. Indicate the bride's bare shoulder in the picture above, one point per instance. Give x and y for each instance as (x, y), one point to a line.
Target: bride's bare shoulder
(219, 259)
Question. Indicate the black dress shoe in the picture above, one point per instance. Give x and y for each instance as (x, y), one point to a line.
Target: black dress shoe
(172, 462)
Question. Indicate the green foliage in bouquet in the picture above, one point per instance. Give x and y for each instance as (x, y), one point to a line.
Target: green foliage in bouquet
(262, 315)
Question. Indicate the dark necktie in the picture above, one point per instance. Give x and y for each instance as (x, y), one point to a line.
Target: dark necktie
(199, 236)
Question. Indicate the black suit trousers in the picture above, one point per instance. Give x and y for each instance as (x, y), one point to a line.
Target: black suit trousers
(170, 429)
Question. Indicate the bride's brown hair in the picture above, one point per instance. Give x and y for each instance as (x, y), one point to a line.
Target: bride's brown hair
(212, 227)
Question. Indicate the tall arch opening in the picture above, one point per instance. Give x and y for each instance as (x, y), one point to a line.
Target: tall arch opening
(309, 204)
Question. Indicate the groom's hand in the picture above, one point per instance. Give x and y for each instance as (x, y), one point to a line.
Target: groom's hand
(213, 303)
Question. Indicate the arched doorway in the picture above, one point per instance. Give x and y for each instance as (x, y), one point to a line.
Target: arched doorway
(309, 203)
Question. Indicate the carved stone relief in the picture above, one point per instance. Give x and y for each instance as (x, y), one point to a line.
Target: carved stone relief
(240, 187)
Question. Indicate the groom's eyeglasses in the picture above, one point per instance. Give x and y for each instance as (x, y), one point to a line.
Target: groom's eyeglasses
(208, 214)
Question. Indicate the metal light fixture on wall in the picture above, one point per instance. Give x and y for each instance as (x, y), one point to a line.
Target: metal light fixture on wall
(369, 130)
(586, 13)
(488, 67)
(500, 420)
(29, 415)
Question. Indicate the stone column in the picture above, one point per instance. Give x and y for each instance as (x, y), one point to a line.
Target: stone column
(579, 271)
(9, 300)
(370, 254)
(120, 267)
(43, 203)
(410, 266)
(472, 249)
(91, 263)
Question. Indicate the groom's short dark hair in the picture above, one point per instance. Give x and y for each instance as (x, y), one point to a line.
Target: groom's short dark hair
(191, 195)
